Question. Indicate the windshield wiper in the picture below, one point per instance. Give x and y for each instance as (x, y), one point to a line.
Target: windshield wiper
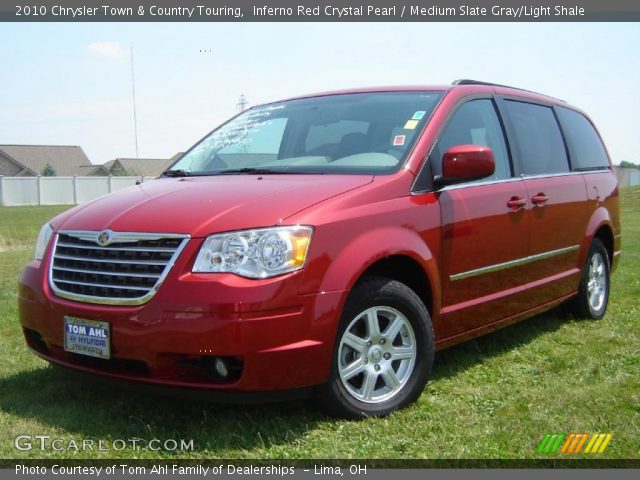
(252, 171)
(175, 173)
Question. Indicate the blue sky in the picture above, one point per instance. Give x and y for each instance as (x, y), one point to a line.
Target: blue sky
(70, 83)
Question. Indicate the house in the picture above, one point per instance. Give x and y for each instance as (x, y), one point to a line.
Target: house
(31, 160)
(147, 167)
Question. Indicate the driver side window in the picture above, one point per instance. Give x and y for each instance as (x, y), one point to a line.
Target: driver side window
(474, 123)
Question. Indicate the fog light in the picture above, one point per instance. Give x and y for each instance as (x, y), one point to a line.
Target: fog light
(221, 367)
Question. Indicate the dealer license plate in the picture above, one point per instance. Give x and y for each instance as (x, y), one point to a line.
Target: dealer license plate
(87, 337)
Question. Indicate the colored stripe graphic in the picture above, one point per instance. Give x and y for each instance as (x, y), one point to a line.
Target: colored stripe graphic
(598, 443)
(605, 443)
(581, 442)
(591, 443)
(574, 443)
(550, 443)
(569, 443)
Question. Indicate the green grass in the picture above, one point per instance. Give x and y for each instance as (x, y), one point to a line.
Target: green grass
(19, 226)
(495, 397)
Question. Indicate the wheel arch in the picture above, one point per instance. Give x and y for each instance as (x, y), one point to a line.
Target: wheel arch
(400, 254)
(406, 270)
(599, 226)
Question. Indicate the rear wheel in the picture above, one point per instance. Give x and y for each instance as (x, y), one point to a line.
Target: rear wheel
(383, 353)
(593, 293)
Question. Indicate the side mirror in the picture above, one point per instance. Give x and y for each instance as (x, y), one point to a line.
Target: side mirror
(464, 163)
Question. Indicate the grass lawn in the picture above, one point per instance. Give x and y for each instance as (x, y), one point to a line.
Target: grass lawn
(495, 397)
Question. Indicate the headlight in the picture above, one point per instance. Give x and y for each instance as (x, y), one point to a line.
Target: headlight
(42, 241)
(258, 253)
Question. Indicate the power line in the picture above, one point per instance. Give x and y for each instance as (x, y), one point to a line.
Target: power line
(133, 92)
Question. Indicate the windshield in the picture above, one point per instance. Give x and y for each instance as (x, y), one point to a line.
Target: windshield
(367, 133)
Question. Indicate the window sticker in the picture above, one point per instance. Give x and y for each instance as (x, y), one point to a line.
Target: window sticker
(399, 140)
(411, 124)
(419, 115)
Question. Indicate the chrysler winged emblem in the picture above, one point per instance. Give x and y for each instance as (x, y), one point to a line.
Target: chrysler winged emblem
(104, 238)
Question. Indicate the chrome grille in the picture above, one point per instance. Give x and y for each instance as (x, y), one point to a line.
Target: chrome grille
(112, 267)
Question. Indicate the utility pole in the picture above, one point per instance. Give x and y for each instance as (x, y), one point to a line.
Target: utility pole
(242, 103)
(133, 94)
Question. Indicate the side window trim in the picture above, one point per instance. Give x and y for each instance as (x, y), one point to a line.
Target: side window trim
(422, 184)
(508, 133)
(564, 138)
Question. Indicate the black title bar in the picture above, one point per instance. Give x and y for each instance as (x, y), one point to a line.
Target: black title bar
(314, 11)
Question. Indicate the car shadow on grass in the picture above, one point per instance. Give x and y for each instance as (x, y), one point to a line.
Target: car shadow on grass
(457, 359)
(78, 405)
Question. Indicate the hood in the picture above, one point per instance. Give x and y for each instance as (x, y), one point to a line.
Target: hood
(200, 206)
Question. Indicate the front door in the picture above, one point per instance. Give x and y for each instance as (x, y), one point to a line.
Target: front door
(485, 228)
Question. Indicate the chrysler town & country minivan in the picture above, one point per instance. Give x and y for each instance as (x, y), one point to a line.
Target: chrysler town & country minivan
(330, 244)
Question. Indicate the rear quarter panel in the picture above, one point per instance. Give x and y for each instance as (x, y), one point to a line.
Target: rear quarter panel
(603, 203)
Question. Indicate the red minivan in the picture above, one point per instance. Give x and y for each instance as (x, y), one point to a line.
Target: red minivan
(330, 244)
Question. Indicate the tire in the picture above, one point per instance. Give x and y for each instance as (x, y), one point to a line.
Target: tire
(377, 371)
(595, 284)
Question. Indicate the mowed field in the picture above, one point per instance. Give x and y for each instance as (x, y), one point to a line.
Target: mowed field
(495, 397)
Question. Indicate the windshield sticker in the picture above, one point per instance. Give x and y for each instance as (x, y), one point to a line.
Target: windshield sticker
(419, 115)
(264, 111)
(237, 132)
(399, 140)
(411, 124)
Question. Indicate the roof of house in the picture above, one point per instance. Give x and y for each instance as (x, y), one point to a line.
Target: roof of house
(93, 170)
(65, 159)
(150, 167)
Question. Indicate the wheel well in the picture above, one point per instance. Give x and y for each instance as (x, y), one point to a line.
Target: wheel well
(406, 270)
(605, 235)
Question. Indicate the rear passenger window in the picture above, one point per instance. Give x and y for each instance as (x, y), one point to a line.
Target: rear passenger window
(474, 123)
(587, 151)
(539, 143)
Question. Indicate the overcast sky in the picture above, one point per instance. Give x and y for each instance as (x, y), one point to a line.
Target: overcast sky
(71, 83)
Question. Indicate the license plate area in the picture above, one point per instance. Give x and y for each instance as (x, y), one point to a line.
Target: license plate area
(91, 338)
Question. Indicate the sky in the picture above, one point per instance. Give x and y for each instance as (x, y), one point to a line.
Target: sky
(70, 83)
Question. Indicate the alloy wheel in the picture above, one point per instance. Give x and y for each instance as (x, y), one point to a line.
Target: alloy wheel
(377, 354)
(597, 282)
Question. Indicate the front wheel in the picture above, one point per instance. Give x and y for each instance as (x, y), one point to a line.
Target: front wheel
(593, 293)
(383, 353)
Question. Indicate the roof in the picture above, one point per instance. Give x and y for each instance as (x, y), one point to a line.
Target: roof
(149, 167)
(93, 170)
(65, 159)
(471, 86)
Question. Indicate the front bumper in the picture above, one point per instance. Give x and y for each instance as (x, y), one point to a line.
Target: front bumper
(278, 338)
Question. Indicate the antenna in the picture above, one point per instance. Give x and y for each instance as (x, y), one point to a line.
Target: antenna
(133, 92)
(242, 103)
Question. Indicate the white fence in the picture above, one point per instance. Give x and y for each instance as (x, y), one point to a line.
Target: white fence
(16, 191)
(628, 177)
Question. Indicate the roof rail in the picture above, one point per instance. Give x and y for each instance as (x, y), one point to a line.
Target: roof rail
(467, 81)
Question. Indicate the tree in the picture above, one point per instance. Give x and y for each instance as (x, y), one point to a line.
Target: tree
(124, 172)
(626, 164)
(48, 171)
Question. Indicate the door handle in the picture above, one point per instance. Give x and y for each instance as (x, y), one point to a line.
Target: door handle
(539, 199)
(516, 203)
